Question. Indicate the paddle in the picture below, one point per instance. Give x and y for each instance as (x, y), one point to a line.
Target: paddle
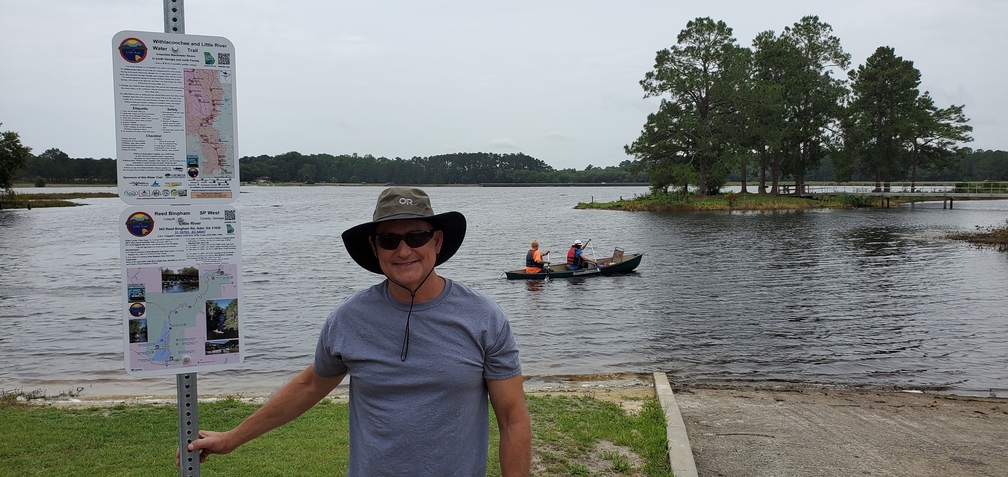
(593, 253)
(593, 250)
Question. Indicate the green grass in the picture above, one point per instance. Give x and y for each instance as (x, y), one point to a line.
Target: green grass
(140, 440)
(587, 436)
(571, 436)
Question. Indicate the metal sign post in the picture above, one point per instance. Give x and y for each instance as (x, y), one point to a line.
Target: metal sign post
(188, 423)
(188, 398)
(174, 16)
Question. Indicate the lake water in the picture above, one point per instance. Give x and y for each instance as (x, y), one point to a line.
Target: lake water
(858, 298)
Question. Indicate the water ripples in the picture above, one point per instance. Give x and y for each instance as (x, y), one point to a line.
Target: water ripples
(850, 298)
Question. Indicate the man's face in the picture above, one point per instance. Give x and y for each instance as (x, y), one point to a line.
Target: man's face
(407, 265)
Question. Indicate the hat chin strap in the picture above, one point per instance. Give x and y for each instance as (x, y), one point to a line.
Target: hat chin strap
(412, 294)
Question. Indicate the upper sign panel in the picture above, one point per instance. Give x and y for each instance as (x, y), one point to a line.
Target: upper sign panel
(176, 120)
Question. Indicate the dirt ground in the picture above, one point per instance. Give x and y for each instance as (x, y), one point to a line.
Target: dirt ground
(627, 390)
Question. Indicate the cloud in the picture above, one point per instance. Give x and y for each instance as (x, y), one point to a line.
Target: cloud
(404, 78)
(556, 136)
(504, 143)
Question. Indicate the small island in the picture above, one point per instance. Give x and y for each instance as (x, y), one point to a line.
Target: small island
(990, 236)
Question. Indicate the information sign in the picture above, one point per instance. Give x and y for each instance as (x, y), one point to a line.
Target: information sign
(181, 285)
(175, 118)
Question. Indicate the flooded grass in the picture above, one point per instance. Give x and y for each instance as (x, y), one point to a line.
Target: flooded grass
(989, 236)
(39, 200)
(732, 201)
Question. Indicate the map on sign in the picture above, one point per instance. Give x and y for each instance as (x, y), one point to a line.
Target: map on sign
(182, 317)
(209, 122)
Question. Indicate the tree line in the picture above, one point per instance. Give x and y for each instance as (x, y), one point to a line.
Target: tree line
(56, 167)
(785, 109)
(459, 168)
(971, 166)
(779, 108)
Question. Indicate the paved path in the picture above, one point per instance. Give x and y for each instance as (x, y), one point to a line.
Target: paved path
(757, 433)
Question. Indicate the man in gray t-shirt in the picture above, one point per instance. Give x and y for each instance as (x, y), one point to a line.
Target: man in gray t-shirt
(424, 355)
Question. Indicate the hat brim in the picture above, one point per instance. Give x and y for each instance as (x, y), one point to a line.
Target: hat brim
(451, 224)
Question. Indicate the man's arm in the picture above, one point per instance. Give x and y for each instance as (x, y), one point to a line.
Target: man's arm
(292, 400)
(508, 399)
(542, 260)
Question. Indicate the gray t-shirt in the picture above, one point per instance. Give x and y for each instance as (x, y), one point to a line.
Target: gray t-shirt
(426, 415)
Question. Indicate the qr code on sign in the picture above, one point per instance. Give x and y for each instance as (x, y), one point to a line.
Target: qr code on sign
(224, 58)
(229, 214)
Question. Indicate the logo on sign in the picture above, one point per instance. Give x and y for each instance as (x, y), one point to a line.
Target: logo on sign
(133, 50)
(140, 224)
(137, 309)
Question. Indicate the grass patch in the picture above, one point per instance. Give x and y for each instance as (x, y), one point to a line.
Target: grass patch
(592, 437)
(140, 440)
(61, 199)
(571, 436)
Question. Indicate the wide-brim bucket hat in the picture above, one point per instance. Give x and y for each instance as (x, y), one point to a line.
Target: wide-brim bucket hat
(404, 203)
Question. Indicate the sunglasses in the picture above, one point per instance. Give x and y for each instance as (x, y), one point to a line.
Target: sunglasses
(413, 239)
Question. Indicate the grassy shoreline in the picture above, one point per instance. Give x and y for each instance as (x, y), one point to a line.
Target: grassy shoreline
(743, 202)
(573, 434)
(45, 199)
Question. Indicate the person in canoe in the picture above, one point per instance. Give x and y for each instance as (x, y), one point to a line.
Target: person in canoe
(534, 261)
(575, 257)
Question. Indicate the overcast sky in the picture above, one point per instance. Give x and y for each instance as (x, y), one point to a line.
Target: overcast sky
(557, 80)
